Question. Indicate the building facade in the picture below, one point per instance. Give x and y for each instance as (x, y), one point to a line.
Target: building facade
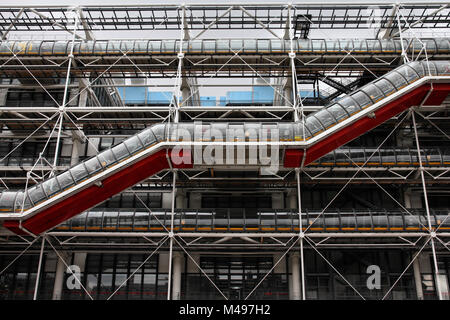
(272, 152)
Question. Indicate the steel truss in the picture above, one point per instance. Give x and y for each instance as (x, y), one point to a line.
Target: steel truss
(90, 75)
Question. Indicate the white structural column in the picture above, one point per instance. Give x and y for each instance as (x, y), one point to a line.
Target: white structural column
(294, 281)
(59, 278)
(38, 273)
(301, 233)
(412, 200)
(177, 261)
(427, 208)
(171, 235)
(418, 278)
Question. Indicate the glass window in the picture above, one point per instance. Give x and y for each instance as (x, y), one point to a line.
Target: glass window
(362, 99)
(93, 165)
(36, 194)
(140, 46)
(325, 117)
(120, 151)
(373, 92)
(159, 131)
(277, 45)
(408, 72)
(155, 46)
(263, 45)
(110, 219)
(318, 46)
(443, 67)
(147, 137)
(349, 104)
(249, 45)
(313, 125)
(141, 221)
(303, 45)
(47, 47)
(65, 179)
(79, 172)
(106, 158)
(51, 186)
(338, 112)
(396, 79)
(223, 45)
(168, 46)
(133, 144)
(94, 220)
(209, 46)
(385, 86)
(7, 200)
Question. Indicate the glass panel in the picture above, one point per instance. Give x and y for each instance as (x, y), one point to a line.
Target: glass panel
(396, 79)
(110, 220)
(120, 151)
(223, 45)
(94, 220)
(79, 172)
(65, 180)
(249, 45)
(7, 200)
(133, 144)
(93, 165)
(51, 186)
(263, 45)
(385, 86)
(408, 73)
(374, 92)
(325, 118)
(304, 45)
(147, 137)
(106, 158)
(349, 104)
(362, 99)
(141, 221)
(277, 45)
(209, 46)
(36, 194)
(313, 125)
(159, 131)
(338, 112)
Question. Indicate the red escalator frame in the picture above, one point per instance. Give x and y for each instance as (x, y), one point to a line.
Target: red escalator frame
(293, 157)
(154, 163)
(94, 194)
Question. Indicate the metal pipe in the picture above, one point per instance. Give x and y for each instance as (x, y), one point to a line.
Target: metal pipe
(38, 274)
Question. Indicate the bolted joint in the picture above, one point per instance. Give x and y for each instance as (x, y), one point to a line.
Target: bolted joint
(433, 234)
(371, 115)
(170, 234)
(301, 235)
(62, 109)
(180, 55)
(292, 55)
(71, 56)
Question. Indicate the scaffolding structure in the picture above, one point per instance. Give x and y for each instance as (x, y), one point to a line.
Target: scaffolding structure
(64, 77)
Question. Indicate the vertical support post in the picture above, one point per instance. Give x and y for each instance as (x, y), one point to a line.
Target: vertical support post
(294, 284)
(301, 233)
(66, 90)
(169, 282)
(292, 61)
(177, 268)
(418, 279)
(427, 208)
(38, 274)
(59, 279)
